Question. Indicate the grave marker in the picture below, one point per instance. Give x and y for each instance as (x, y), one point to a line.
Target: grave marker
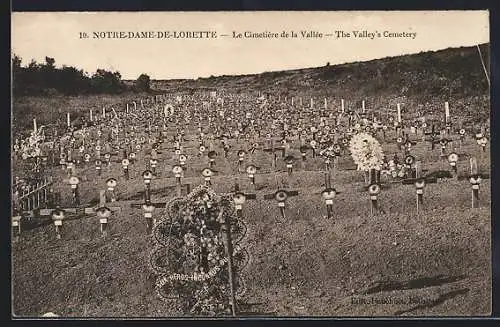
(328, 194)
(111, 185)
(280, 196)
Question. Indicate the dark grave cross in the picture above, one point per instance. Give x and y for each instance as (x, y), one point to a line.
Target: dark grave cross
(16, 214)
(399, 142)
(328, 161)
(461, 134)
(103, 212)
(303, 152)
(444, 143)
(289, 164)
(201, 150)
(313, 145)
(272, 150)
(211, 158)
(182, 161)
(433, 134)
(384, 129)
(482, 141)
(452, 160)
(345, 144)
(125, 164)
(207, 174)
(58, 215)
(284, 146)
(241, 157)
(409, 164)
(152, 164)
(239, 198)
(148, 208)
(16, 225)
(419, 185)
(374, 191)
(280, 196)
(177, 171)
(73, 182)
(408, 145)
(111, 185)
(251, 171)
(70, 168)
(475, 179)
(226, 148)
(328, 194)
(107, 158)
(314, 132)
(132, 157)
(98, 166)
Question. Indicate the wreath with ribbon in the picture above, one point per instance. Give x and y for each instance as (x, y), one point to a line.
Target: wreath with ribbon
(190, 255)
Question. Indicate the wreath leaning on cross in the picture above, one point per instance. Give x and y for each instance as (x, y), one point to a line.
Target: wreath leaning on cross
(190, 256)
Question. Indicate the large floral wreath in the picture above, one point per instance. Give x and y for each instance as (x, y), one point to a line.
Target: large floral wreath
(366, 152)
(190, 257)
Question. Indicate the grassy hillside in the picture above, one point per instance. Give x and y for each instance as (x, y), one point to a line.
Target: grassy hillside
(304, 264)
(420, 82)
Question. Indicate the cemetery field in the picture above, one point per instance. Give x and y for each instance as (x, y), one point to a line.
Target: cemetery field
(48, 110)
(394, 262)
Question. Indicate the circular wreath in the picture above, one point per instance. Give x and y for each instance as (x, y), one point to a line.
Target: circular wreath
(190, 257)
(366, 151)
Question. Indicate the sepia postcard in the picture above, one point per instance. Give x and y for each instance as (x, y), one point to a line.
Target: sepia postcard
(172, 165)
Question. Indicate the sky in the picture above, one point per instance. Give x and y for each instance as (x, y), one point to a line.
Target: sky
(57, 35)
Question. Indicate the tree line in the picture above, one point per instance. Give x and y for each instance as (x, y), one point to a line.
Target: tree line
(46, 79)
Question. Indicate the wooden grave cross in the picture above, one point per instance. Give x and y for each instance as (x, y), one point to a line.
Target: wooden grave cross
(98, 166)
(207, 174)
(280, 196)
(289, 164)
(182, 161)
(177, 170)
(482, 141)
(461, 134)
(148, 208)
(103, 212)
(409, 164)
(239, 198)
(201, 150)
(433, 134)
(58, 214)
(111, 185)
(328, 194)
(152, 164)
(107, 158)
(251, 171)
(453, 160)
(303, 152)
(131, 157)
(419, 185)
(444, 143)
(475, 179)
(73, 182)
(125, 164)
(313, 144)
(241, 157)
(374, 191)
(211, 158)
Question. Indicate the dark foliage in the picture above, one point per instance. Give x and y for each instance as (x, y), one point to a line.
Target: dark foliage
(142, 84)
(46, 79)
